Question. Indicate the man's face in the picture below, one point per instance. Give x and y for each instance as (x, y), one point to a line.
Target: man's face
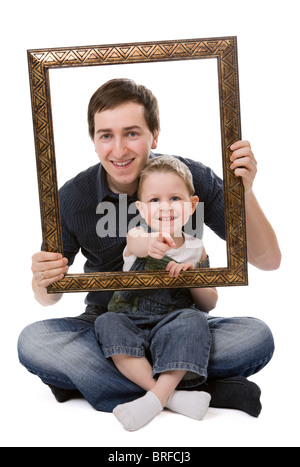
(123, 143)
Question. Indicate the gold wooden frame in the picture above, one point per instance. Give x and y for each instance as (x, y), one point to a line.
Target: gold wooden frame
(224, 49)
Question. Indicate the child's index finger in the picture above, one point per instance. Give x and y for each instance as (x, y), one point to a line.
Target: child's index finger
(167, 239)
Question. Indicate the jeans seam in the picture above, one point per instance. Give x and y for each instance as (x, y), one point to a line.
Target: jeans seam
(180, 366)
(115, 350)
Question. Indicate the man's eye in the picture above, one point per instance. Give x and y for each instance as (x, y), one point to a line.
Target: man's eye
(105, 137)
(132, 134)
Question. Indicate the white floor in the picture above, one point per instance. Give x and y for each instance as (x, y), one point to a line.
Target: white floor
(32, 418)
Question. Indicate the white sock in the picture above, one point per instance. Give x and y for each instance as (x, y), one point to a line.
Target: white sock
(193, 404)
(133, 415)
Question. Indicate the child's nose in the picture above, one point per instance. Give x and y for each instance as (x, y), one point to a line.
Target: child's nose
(164, 206)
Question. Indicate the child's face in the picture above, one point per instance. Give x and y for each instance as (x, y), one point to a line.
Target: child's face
(165, 202)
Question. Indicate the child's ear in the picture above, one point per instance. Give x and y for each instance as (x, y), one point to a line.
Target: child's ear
(141, 208)
(194, 202)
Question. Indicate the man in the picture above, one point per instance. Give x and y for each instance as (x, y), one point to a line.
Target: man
(124, 125)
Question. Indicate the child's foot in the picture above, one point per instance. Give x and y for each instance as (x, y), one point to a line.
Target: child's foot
(193, 404)
(133, 415)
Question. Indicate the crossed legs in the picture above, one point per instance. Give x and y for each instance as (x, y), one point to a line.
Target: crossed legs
(65, 353)
(160, 393)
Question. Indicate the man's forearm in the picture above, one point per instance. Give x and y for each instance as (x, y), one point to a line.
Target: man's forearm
(262, 244)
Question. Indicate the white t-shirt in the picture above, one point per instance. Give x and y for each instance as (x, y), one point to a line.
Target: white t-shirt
(191, 251)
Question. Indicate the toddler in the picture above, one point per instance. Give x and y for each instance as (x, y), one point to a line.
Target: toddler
(160, 339)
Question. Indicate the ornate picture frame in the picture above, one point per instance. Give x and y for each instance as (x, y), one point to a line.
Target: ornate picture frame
(224, 50)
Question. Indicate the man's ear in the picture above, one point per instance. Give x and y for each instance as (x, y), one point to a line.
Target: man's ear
(155, 140)
(194, 202)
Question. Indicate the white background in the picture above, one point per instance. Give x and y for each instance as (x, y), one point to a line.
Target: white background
(268, 46)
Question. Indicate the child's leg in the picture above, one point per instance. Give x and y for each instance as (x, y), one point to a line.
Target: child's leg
(193, 404)
(183, 336)
(166, 384)
(135, 414)
(137, 369)
(160, 393)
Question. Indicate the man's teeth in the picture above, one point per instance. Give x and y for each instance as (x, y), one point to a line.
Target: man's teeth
(122, 164)
(167, 218)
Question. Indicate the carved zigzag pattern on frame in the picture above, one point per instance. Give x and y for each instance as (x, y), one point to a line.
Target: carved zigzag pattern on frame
(129, 53)
(73, 282)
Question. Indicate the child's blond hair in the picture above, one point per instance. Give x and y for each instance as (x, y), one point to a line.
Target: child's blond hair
(167, 164)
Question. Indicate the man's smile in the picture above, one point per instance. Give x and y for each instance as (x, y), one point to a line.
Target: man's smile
(122, 164)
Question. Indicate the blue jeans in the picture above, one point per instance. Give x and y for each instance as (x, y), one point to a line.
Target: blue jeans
(179, 340)
(65, 353)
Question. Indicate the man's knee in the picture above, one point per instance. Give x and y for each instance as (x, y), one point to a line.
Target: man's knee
(35, 342)
(27, 343)
(263, 340)
(241, 346)
(240, 330)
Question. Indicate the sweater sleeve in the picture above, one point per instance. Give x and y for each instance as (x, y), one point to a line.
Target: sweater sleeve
(71, 245)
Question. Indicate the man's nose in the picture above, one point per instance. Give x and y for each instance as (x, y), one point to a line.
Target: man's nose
(119, 148)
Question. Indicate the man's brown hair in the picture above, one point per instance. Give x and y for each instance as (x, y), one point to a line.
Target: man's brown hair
(118, 91)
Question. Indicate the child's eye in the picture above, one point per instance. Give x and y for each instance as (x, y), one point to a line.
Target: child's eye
(175, 198)
(154, 200)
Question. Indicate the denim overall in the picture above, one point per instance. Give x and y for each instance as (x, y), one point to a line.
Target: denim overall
(161, 324)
